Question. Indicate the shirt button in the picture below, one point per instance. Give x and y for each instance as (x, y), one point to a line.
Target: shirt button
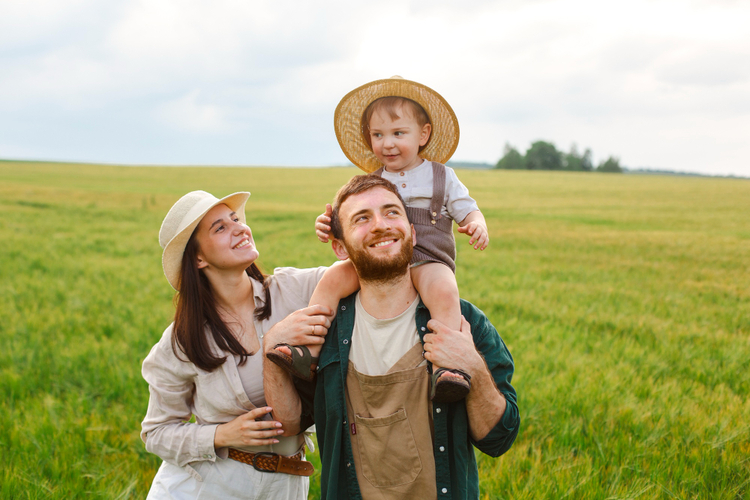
(433, 221)
(402, 174)
(442, 448)
(346, 341)
(438, 410)
(423, 328)
(434, 214)
(403, 185)
(348, 464)
(343, 308)
(444, 490)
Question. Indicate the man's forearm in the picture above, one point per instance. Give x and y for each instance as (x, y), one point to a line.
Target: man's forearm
(485, 404)
(282, 396)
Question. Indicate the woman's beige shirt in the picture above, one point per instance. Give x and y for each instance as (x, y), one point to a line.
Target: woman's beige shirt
(178, 389)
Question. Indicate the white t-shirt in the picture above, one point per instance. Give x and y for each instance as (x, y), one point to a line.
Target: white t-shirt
(377, 344)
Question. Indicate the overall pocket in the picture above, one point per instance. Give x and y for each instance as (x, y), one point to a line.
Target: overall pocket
(387, 450)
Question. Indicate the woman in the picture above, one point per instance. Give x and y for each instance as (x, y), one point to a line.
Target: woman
(208, 363)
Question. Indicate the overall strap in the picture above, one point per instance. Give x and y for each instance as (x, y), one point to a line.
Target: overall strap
(438, 190)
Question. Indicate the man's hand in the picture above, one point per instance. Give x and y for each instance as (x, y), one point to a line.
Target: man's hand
(451, 348)
(322, 224)
(448, 348)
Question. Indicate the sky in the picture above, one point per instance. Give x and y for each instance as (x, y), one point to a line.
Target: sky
(659, 84)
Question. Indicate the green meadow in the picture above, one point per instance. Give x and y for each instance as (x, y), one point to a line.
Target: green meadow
(625, 300)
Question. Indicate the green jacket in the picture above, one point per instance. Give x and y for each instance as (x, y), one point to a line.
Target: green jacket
(456, 467)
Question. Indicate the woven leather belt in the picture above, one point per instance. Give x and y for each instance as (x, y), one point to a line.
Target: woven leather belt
(271, 462)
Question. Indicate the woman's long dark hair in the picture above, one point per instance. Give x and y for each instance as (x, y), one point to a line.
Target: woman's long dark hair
(196, 310)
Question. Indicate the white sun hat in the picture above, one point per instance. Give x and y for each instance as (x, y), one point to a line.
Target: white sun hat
(181, 221)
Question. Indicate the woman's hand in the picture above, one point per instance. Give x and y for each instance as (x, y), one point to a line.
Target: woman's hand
(322, 224)
(247, 430)
(307, 326)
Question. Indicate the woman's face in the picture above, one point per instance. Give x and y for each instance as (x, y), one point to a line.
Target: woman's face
(224, 242)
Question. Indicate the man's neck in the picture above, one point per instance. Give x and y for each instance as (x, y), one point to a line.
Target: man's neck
(385, 300)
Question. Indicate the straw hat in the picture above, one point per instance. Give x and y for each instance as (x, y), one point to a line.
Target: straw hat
(348, 116)
(181, 221)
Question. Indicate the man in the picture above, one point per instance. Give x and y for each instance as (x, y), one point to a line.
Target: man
(378, 433)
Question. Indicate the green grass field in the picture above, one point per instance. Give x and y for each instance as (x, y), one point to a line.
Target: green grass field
(625, 301)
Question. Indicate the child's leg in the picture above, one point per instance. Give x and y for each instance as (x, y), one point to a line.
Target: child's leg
(437, 286)
(338, 281)
(438, 289)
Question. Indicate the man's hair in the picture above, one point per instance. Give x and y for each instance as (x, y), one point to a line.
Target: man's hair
(356, 185)
(390, 105)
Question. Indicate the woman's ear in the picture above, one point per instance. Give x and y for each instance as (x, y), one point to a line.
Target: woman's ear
(339, 249)
(200, 261)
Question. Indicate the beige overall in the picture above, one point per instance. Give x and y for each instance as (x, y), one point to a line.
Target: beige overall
(391, 430)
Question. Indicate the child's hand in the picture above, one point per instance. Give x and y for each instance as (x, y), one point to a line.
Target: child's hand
(480, 238)
(322, 228)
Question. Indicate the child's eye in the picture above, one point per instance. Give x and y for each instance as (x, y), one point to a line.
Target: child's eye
(398, 133)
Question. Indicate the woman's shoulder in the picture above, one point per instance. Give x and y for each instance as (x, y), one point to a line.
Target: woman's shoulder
(292, 276)
(163, 355)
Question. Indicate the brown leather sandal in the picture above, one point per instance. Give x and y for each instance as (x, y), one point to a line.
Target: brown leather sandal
(299, 365)
(449, 390)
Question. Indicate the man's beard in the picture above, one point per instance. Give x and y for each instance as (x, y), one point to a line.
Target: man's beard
(381, 270)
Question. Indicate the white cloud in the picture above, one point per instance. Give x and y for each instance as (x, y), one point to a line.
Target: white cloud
(661, 83)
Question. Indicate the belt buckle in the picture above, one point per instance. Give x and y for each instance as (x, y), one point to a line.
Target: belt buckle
(263, 453)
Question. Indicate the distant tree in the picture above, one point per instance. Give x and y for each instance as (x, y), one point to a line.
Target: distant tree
(511, 159)
(543, 156)
(587, 164)
(611, 165)
(576, 161)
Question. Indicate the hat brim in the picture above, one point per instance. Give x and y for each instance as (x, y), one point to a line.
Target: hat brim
(348, 116)
(172, 256)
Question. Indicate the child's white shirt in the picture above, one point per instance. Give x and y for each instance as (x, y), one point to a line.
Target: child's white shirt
(415, 187)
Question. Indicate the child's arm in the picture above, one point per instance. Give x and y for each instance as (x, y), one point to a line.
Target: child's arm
(475, 226)
(323, 229)
(338, 281)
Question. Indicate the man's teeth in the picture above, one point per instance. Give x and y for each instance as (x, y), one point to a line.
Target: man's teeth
(383, 243)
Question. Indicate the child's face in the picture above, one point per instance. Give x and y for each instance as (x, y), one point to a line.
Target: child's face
(396, 142)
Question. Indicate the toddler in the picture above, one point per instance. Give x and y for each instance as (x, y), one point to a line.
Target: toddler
(405, 132)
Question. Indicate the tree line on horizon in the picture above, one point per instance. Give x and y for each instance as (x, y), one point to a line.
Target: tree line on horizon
(543, 155)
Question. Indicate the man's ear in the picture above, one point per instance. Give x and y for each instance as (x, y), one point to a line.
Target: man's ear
(424, 135)
(200, 261)
(413, 236)
(339, 249)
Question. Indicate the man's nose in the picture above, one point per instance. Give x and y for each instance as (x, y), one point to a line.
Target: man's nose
(380, 223)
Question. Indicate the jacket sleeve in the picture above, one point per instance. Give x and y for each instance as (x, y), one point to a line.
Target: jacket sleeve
(500, 363)
(166, 429)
